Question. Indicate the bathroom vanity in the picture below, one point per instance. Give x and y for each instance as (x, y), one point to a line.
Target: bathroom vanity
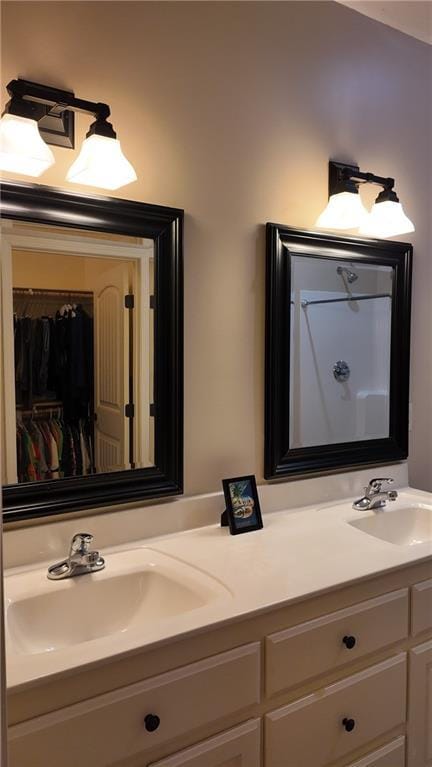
(306, 644)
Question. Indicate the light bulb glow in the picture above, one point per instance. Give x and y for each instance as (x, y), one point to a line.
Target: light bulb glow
(387, 219)
(101, 163)
(22, 148)
(344, 210)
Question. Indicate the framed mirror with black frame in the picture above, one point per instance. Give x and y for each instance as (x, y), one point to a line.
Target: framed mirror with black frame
(337, 351)
(91, 355)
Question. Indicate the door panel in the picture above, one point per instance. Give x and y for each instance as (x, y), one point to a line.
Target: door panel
(111, 370)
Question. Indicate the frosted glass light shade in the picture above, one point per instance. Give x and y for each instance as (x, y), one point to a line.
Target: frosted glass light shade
(22, 148)
(102, 163)
(344, 210)
(387, 219)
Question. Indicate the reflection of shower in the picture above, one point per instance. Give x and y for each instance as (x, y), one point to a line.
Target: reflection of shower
(350, 276)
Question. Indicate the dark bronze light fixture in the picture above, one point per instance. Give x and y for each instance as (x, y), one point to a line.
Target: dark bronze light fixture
(38, 115)
(345, 209)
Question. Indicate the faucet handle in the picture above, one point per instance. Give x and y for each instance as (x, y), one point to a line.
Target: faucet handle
(81, 543)
(377, 483)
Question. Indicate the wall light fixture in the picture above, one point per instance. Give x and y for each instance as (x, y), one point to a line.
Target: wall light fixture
(38, 115)
(345, 209)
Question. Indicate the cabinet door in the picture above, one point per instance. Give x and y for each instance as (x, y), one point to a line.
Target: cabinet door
(332, 722)
(239, 747)
(391, 755)
(420, 706)
(421, 613)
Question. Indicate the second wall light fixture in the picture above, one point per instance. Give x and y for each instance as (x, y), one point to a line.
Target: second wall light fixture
(38, 115)
(345, 209)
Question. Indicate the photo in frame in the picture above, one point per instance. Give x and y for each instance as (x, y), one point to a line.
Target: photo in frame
(243, 512)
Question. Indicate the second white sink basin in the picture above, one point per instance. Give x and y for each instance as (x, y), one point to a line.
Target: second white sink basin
(403, 527)
(137, 588)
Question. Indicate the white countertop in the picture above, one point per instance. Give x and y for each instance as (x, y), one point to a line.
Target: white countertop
(296, 555)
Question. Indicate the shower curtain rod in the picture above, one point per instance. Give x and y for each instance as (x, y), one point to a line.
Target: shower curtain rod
(347, 298)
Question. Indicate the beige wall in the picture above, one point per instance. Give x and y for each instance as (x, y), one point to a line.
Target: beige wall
(231, 111)
(57, 271)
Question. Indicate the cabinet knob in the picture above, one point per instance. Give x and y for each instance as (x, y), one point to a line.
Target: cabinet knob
(151, 722)
(349, 724)
(349, 642)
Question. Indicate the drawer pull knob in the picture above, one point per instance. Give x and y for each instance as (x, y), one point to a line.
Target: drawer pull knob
(151, 722)
(349, 724)
(349, 642)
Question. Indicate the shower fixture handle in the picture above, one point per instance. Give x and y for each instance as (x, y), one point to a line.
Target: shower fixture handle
(341, 371)
(347, 273)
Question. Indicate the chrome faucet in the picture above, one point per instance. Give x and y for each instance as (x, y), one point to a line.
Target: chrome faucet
(375, 497)
(80, 560)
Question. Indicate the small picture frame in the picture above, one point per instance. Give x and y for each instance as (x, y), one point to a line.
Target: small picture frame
(242, 513)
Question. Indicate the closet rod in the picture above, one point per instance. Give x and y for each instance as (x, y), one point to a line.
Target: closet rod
(39, 407)
(51, 291)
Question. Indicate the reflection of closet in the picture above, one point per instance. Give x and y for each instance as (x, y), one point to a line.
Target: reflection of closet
(99, 274)
(54, 383)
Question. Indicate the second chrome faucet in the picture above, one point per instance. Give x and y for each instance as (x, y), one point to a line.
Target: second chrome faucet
(375, 497)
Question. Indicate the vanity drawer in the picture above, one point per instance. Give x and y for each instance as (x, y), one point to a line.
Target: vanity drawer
(112, 726)
(239, 747)
(421, 607)
(391, 755)
(311, 730)
(321, 645)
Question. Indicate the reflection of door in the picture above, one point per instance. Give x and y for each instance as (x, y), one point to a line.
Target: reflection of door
(111, 369)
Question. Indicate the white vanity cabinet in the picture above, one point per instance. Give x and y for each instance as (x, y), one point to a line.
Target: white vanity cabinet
(343, 679)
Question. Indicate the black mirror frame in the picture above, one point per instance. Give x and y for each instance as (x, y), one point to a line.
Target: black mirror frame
(279, 460)
(47, 205)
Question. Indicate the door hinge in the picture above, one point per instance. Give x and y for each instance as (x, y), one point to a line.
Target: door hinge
(152, 410)
(129, 301)
(130, 410)
(152, 302)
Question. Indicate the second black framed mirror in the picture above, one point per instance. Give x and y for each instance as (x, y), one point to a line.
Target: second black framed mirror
(337, 351)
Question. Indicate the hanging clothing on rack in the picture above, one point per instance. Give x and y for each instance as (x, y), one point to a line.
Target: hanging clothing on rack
(53, 365)
(74, 368)
(41, 352)
(54, 360)
(23, 346)
(52, 449)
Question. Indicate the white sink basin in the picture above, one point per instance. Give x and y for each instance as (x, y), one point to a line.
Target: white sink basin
(404, 527)
(138, 588)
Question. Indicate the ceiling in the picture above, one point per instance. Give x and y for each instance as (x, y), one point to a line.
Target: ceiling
(413, 18)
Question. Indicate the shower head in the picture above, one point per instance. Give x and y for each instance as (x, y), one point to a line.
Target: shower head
(350, 276)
